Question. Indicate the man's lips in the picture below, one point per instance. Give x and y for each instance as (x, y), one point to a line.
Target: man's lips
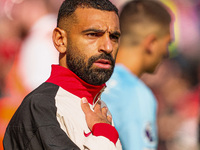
(103, 63)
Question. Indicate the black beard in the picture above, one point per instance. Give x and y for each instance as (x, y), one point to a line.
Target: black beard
(85, 71)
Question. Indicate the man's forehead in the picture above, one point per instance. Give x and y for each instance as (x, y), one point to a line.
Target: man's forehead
(97, 19)
(87, 9)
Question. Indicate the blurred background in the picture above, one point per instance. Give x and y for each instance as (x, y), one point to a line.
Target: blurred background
(27, 52)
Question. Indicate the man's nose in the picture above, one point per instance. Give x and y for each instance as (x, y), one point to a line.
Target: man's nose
(106, 44)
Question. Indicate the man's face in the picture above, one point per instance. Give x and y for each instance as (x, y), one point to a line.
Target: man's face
(161, 51)
(92, 45)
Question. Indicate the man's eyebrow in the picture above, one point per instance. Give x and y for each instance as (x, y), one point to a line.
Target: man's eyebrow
(116, 33)
(93, 30)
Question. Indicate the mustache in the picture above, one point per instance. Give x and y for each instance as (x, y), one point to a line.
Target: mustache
(102, 56)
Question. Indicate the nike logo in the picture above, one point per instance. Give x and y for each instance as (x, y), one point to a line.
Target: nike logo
(87, 134)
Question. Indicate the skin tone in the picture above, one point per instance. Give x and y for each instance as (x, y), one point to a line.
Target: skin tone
(92, 34)
(145, 56)
(160, 52)
(98, 115)
(91, 42)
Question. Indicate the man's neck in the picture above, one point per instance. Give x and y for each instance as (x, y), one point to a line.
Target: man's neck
(131, 60)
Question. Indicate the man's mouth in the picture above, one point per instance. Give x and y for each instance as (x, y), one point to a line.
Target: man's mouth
(103, 63)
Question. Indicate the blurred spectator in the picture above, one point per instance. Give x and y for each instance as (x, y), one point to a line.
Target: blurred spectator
(9, 46)
(24, 38)
(10, 41)
(37, 43)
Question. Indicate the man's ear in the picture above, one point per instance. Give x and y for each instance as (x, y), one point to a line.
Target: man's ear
(60, 39)
(150, 43)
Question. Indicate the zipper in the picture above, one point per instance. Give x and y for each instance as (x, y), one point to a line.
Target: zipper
(98, 97)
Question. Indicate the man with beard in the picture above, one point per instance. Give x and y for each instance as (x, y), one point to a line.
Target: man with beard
(145, 28)
(65, 112)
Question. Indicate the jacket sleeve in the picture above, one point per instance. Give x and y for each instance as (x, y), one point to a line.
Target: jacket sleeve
(34, 127)
(104, 136)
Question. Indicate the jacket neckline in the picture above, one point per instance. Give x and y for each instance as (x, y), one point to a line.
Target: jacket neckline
(69, 81)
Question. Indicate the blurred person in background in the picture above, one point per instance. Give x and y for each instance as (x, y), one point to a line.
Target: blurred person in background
(178, 94)
(37, 51)
(10, 41)
(24, 33)
(145, 27)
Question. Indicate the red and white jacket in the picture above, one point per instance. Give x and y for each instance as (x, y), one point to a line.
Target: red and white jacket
(51, 117)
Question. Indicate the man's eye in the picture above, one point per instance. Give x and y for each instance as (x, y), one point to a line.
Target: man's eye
(114, 37)
(92, 34)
